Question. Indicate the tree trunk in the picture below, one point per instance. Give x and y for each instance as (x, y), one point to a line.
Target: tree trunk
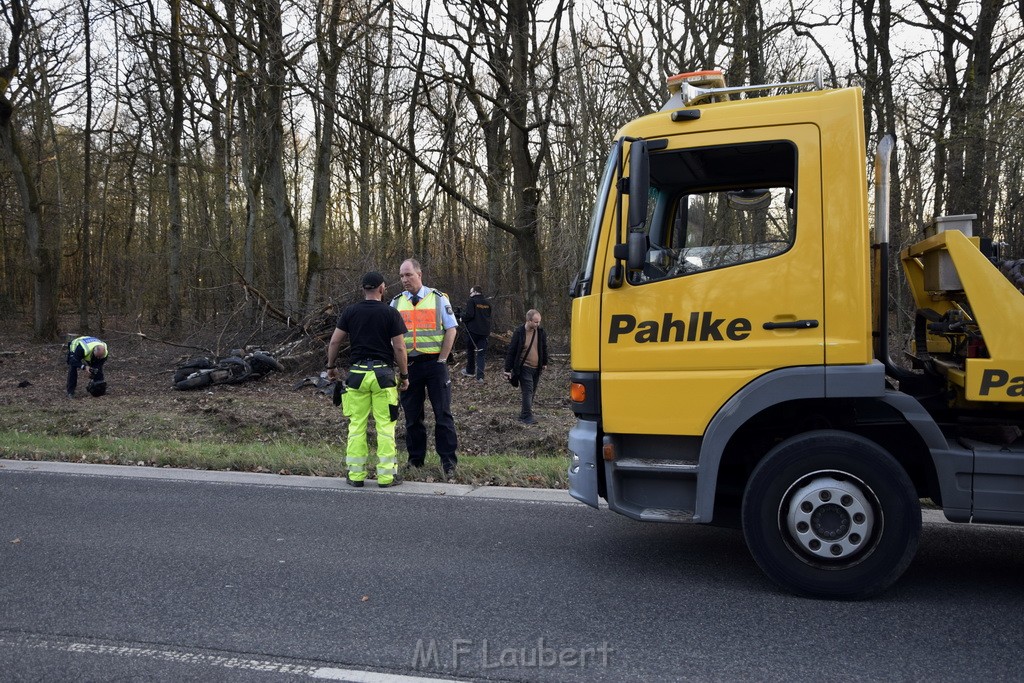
(412, 179)
(177, 123)
(43, 245)
(329, 52)
(272, 114)
(524, 170)
(970, 196)
(85, 244)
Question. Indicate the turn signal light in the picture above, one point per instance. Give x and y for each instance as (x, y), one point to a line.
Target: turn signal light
(608, 451)
(577, 392)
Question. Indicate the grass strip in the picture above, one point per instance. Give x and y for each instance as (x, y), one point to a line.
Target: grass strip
(278, 457)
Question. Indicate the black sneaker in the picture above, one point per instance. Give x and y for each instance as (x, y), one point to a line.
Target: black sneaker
(466, 374)
(358, 483)
(449, 473)
(394, 482)
(528, 420)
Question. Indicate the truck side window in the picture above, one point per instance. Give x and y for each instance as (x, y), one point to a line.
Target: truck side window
(719, 207)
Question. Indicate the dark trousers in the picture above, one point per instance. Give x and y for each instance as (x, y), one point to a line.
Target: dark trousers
(429, 379)
(529, 378)
(476, 354)
(74, 364)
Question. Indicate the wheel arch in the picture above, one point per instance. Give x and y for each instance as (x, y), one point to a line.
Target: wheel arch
(791, 401)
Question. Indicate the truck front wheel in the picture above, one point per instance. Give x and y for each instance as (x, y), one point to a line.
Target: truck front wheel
(830, 514)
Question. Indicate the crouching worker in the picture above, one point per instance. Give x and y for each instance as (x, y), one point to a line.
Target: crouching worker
(87, 353)
(376, 334)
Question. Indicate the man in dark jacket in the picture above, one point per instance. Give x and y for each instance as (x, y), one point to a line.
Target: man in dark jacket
(477, 318)
(526, 359)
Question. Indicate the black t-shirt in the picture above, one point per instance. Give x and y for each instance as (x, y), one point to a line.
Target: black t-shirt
(370, 326)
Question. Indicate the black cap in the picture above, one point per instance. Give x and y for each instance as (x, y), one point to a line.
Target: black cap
(372, 280)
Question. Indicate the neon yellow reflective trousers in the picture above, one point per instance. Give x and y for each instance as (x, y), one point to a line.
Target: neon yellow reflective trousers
(364, 396)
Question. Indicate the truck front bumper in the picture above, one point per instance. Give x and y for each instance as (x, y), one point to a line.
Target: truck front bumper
(583, 472)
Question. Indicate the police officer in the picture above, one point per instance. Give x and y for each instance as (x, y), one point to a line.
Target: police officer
(86, 353)
(431, 331)
(377, 344)
(477, 318)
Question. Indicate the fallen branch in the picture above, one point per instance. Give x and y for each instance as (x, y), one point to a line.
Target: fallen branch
(142, 335)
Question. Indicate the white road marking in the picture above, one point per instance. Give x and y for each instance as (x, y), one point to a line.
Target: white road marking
(222, 661)
(164, 655)
(354, 676)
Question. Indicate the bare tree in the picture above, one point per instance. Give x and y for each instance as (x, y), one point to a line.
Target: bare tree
(272, 70)
(510, 42)
(85, 246)
(971, 49)
(43, 245)
(329, 54)
(262, 85)
(469, 133)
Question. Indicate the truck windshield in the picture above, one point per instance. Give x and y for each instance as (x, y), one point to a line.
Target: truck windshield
(585, 277)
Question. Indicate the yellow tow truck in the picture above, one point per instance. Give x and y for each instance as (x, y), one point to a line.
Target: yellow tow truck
(731, 360)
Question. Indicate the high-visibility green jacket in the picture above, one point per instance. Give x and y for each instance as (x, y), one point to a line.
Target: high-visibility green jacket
(87, 346)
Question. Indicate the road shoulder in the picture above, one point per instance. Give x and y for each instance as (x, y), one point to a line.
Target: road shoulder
(292, 481)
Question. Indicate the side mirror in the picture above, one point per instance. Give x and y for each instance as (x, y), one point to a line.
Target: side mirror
(639, 184)
(633, 252)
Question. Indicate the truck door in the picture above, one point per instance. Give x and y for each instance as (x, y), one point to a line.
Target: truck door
(732, 284)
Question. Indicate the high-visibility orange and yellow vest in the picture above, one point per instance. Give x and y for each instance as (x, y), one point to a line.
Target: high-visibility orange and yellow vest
(425, 329)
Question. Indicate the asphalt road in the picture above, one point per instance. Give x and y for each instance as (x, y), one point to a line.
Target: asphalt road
(239, 578)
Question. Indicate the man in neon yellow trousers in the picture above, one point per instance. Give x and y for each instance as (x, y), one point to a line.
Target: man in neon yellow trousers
(377, 344)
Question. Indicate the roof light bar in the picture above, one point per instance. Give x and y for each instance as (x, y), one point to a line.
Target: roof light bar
(690, 88)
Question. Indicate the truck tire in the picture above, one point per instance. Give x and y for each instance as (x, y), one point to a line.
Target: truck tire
(830, 514)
